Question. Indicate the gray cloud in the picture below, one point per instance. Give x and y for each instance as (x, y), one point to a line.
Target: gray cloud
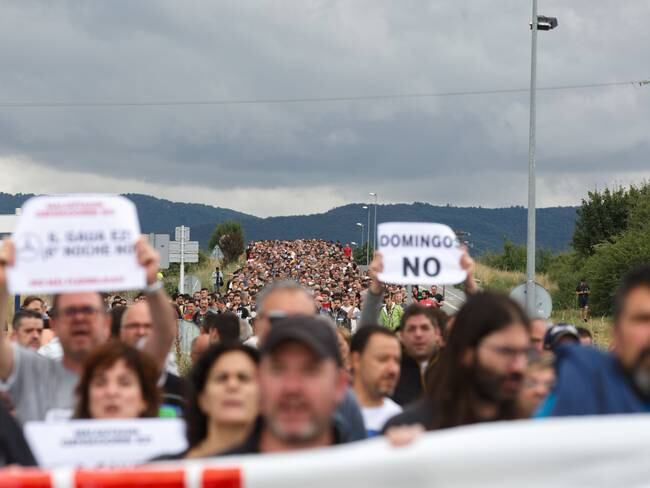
(265, 158)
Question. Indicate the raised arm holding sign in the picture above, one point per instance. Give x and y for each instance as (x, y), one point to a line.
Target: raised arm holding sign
(374, 299)
(43, 388)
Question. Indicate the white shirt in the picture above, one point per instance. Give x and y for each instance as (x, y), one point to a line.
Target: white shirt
(375, 418)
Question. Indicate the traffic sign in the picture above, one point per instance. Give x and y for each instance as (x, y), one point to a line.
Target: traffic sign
(182, 234)
(189, 247)
(160, 243)
(187, 257)
(544, 305)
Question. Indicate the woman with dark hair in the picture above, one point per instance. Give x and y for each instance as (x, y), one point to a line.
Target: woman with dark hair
(481, 369)
(224, 400)
(118, 382)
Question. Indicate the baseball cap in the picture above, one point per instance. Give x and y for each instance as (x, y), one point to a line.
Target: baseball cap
(559, 331)
(314, 332)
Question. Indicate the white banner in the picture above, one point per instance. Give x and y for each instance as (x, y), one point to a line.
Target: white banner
(76, 243)
(419, 253)
(104, 443)
(606, 451)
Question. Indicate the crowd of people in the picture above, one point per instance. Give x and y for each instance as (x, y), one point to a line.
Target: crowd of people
(301, 348)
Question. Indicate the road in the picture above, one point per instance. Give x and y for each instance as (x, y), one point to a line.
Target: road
(454, 299)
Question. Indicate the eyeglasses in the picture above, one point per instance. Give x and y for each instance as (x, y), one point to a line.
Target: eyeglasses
(510, 353)
(71, 312)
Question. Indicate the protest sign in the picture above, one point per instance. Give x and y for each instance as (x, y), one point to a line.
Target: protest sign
(419, 253)
(76, 243)
(104, 443)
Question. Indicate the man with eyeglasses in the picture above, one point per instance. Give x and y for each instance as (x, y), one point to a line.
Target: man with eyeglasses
(480, 371)
(42, 388)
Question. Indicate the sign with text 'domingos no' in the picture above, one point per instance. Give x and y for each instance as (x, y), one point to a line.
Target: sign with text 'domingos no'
(420, 253)
(76, 243)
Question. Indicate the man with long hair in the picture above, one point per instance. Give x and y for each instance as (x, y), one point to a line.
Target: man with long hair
(481, 369)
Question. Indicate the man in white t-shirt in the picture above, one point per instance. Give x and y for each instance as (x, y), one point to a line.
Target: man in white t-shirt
(375, 359)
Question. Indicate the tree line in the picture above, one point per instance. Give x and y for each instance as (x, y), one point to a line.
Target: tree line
(612, 234)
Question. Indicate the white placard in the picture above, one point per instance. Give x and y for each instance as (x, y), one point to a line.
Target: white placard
(419, 253)
(76, 243)
(99, 443)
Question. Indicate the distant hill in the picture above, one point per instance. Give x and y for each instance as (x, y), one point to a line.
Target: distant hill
(487, 226)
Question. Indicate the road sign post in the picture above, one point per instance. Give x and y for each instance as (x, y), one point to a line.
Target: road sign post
(182, 278)
(182, 251)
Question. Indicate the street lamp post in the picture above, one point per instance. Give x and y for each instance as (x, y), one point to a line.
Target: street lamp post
(374, 246)
(366, 207)
(537, 23)
(362, 226)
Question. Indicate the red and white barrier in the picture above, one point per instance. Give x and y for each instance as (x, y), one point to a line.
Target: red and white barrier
(591, 451)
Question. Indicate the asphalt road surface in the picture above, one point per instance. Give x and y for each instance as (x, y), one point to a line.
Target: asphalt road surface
(454, 299)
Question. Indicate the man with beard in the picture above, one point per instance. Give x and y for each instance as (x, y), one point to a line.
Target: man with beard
(301, 384)
(202, 313)
(238, 308)
(480, 371)
(590, 382)
(375, 359)
(286, 299)
(339, 314)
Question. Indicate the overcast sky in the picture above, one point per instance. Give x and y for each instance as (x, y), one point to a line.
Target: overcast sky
(274, 159)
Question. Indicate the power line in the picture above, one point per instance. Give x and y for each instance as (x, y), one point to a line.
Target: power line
(277, 101)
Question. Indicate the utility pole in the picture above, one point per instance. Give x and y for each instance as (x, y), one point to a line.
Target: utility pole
(367, 207)
(181, 285)
(374, 246)
(530, 246)
(546, 24)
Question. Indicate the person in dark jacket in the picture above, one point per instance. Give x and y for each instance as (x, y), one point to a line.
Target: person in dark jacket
(421, 332)
(14, 449)
(590, 382)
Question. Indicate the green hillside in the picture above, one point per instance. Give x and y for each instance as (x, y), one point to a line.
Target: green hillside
(488, 227)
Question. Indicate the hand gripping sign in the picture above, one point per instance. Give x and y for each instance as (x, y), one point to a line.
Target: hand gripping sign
(76, 243)
(420, 253)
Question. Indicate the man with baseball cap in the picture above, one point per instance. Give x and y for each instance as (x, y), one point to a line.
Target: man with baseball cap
(560, 335)
(301, 384)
